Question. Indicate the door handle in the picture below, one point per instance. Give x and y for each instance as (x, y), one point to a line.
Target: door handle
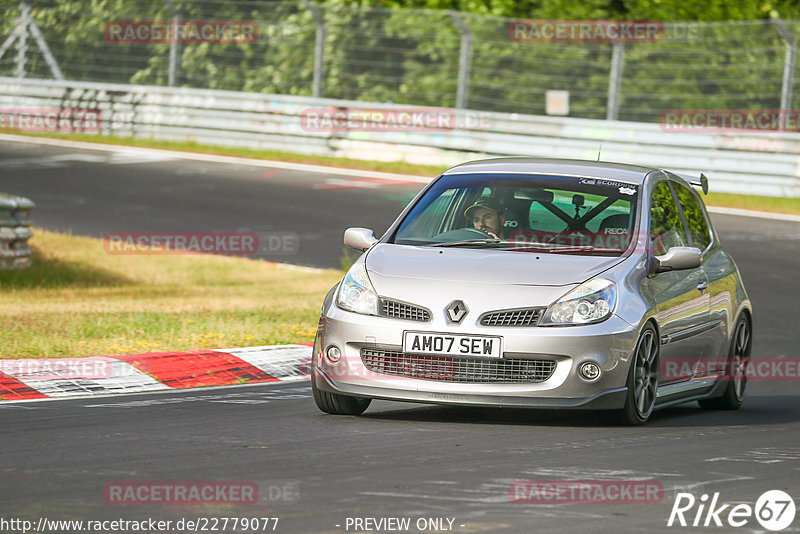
(701, 287)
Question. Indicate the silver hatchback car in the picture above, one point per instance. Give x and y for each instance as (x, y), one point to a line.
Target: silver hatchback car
(526, 282)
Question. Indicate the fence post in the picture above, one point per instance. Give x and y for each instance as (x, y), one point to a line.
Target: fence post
(464, 59)
(615, 80)
(173, 53)
(174, 46)
(788, 64)
(15, 34)
(319, 49)
(22, 40)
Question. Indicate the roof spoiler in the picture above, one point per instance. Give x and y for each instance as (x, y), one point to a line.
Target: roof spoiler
(701, 182)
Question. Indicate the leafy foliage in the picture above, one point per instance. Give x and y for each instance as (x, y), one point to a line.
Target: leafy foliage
(379, 50)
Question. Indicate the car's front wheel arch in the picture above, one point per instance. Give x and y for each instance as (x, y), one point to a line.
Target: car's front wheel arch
(643, 376)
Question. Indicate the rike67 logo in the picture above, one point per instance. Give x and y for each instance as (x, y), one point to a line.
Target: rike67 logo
(774, 510)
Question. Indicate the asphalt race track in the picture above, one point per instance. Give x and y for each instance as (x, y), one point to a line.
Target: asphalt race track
(398, 460)
(93, 193)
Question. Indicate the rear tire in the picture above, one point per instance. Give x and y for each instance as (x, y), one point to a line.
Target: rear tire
(735, 371)
(642, 383)
(336, 404)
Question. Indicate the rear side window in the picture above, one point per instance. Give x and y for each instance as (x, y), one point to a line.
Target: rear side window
(666, 228)
(698, 226)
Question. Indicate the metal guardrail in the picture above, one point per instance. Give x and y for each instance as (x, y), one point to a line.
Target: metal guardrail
(15, 232)
(760, 163)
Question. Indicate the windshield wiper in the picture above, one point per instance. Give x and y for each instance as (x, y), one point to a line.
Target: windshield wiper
(522, 245)
(509, 244)
(517, 245)
(585, 248)
(490, 241)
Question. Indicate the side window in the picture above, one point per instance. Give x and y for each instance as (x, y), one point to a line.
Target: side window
(666, 228)
(698, 227)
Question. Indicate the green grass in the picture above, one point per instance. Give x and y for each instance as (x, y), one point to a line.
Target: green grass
(77, 300)
(751, 202)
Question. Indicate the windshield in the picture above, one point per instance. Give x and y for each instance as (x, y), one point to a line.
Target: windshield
(524, 212)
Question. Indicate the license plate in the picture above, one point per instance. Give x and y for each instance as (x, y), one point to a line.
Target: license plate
(452, 344)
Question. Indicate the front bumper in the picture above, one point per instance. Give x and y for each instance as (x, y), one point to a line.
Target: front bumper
(610, 344)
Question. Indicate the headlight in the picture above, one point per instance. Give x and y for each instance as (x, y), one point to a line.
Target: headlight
(590, 302)
(356, 292)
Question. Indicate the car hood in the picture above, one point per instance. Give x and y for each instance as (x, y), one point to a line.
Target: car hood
(483, 266)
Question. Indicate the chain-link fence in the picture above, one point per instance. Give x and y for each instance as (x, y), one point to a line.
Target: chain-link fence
(424, 58)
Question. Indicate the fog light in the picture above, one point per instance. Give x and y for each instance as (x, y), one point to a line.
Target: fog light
(589, 371)
(333, 354)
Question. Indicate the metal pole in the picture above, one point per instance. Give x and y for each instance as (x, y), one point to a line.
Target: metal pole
(11, 38)
(788, 64)
(174, 46)
(615, 81)
(173, 52)
(319, 49)
(464, 59)
(22, 41)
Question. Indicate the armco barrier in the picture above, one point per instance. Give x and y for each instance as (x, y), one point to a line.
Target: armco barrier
(15, 232)
(761, 163)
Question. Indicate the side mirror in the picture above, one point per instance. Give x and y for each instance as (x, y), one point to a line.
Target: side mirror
(678, 259)
(359, 238)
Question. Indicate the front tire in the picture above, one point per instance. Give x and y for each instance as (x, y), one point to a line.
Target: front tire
(336, 404)
(642, 383)
(735, 372)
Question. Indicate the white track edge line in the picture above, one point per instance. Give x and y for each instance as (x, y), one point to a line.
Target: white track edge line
(313, 168)
(307, 167)
(753, 213)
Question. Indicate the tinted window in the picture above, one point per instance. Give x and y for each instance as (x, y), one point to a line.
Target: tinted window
(666, 228)
(698, 227)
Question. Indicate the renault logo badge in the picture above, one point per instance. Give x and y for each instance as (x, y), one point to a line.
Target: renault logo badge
(456, 311)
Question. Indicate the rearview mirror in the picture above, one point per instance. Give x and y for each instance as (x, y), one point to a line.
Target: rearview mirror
(678, 259)
(539, 196)
(359, 238)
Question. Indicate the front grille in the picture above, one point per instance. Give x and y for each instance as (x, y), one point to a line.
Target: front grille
(520, 317)
(402, 310)
(452, 369)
